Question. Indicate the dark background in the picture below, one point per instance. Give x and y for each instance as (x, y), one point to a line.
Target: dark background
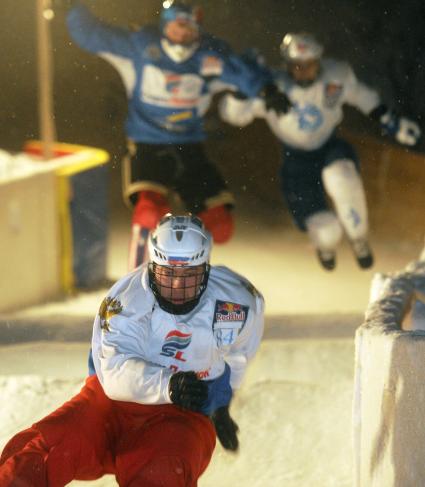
(384, 41)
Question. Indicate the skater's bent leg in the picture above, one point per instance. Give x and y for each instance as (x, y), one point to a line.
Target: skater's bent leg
(344, 185)
(71, 443)
(174, 450)
(23, 461)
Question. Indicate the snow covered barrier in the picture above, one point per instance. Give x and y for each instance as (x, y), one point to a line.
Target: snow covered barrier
(389, 391)
(53, 216)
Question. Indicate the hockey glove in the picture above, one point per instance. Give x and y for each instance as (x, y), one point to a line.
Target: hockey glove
(219, 392)
(226, 429)
(275, 99)
(187, 391)
(404, 130)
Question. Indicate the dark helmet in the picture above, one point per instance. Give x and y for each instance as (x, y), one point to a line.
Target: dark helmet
(179, 9)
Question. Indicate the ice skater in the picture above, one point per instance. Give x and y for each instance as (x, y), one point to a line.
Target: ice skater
(317, 165)
(171, 343)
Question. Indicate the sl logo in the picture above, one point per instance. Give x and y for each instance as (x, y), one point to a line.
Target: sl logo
(108, 308)
(175, 342)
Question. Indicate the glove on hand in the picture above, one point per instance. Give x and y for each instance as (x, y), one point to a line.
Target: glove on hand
(219, 392)
(275, 100)
(404, 130)
(187, 391)
(226, 428)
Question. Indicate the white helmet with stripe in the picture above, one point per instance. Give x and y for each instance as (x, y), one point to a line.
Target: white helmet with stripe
(180, 241)
(179, 253)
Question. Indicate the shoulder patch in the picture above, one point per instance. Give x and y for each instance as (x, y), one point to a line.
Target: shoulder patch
(332, 93)
(109, 308)
(211, 66)
(250, 288)
(229, 321)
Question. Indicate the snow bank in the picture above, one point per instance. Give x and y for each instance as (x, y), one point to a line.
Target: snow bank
(390, 383)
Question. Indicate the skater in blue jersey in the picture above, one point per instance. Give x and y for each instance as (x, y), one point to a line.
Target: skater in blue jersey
(170, 72)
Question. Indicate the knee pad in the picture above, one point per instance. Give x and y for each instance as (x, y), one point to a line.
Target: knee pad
(342, 180)
(324, 230)
(343, 184)
(151, 206)
(219, 222)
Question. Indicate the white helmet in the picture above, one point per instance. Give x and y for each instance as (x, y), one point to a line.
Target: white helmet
(296, 47)
(180, 241)
(179, 251)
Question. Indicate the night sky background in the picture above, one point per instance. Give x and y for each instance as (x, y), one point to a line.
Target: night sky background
(383, 40)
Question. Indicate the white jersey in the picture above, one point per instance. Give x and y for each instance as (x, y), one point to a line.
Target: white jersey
(317, 109)
(137, 346)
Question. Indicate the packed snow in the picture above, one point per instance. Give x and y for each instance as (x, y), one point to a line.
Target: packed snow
(293, 412)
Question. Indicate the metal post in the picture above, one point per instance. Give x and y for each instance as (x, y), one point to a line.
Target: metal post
(45, 78)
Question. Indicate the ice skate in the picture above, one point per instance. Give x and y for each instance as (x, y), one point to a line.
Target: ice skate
(327, 259)
(362, 252)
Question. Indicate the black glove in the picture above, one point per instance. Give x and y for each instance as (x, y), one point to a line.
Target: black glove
(226, 428)
(275, 99)
(187, 391)
(402, 129)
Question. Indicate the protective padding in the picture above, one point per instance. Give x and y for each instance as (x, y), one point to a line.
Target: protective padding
(343, 184)
(324, 230)
(219, 222)
(150, 208)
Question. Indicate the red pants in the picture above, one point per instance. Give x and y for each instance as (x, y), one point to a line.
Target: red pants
(91, 435)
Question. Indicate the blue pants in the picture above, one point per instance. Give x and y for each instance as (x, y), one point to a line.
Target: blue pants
(301, 177)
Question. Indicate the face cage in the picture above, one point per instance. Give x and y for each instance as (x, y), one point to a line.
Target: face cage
(166, 304)
(305, 83)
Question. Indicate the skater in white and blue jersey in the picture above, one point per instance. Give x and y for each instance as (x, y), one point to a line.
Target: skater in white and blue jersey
(317, 165)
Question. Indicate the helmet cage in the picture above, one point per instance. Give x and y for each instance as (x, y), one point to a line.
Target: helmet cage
(179, 252)
(178, 292)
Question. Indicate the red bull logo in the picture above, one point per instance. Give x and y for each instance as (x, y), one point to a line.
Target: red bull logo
(227, 311)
